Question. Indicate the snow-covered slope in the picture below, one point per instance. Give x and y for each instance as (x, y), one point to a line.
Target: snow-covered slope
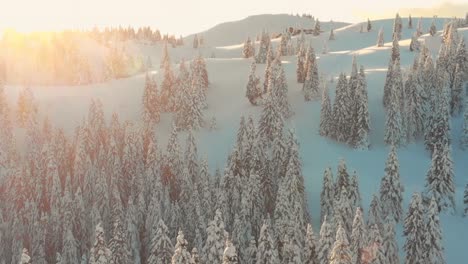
(66, 106)
(235, 32)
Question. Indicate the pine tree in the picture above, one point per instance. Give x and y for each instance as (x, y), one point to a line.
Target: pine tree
(391, 190)
(118, 244)
(340, 110)
(410, 22)
(433, 29)
(414, 231)
(388, 87)
(230, 254)
(358, 236)
(354, 193)
(465, 200)
(248, 50)
(434, 249)
(390, 245)
(254, 91)
(167, 95)
(151, 111)
(195, 257)
(326, 114)
(362, 122)
(316, 30)
(70, 252)
(311, 83)
(375, 240)
(161, 246)
(414, 44)
(393, 123)
(439, 180)
(457, 91)
(380, 38)
(181, 253)
(397, 27)
(280, 91)
(327, 195)
(301, 64)
(369, 25)
(271, 121)
(332, 35)
(261, 57)
(266, 251)
(375, 213)
(342, 179)
(311, 247)
(419, 30)
(214, 244)
(100, 254)
(340, 253)
(325, 242)
(464, 134)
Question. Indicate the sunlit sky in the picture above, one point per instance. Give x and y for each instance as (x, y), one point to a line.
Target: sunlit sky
(190, 16)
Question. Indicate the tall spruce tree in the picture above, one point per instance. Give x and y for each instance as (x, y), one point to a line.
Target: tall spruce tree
(434, 249)
(414, 231)
(340, 253)
(391, 190)
(327, 195)
(326, 115)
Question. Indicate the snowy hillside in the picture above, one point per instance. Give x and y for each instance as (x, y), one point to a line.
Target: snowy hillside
(234, 32)
(228, 73)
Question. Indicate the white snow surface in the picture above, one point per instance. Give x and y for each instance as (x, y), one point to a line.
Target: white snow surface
(228, 74)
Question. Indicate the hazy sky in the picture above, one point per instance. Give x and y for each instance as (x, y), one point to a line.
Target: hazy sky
(190, 16)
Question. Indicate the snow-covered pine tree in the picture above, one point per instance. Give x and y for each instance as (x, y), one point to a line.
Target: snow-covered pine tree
(230, 254)
(316, 30)
(70, 252)
(250, 256)
(354, 193)
(25, 258)
(99, 253)
(342, 179)
(390, 245)
(118, 244)
(195, 42)
(325, 242)
(414, 231)
(393, 124)
(332, 35)
(388, 87)
(419, 30)
(327, 195)
(343, 211)
(161, 249)
(456, 101)
(167, 95)
(358, 236)
(247, 51)
(264, 46)
(397, 27)
(369, 25)
(214, 244)
(254, 91)
(410, 22)
(375, 213)
(362, 123)
(391, 190)
(465, 200)
(433, 29)
(181, 253)
(464, 133)
(375, 240)
(311, 247)
(341, 113)
(280, 91)
(271, 120)
(271, 70)
(340, 253)
(301, 64)
(380, 38)
(283, 45)
(311, 84)
(151, 111)
(439, 180)
(414, 44)
(266, 251)
(326, 115)
(195, 259)
(433, 248)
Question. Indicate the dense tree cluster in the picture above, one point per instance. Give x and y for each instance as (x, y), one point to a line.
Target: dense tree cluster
(348, 119)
